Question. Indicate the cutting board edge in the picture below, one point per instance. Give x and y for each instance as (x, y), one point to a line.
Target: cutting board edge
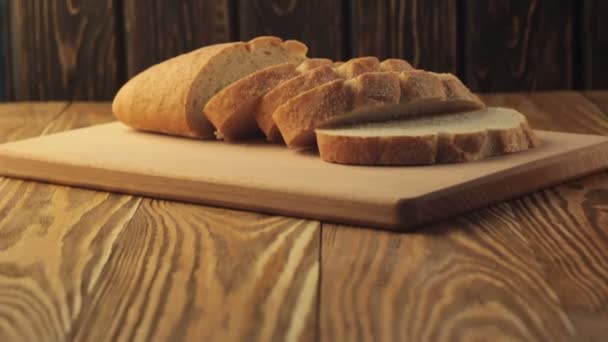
(428, 208)
(366, 213)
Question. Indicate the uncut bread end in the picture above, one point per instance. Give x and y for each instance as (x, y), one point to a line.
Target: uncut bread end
(169, 97)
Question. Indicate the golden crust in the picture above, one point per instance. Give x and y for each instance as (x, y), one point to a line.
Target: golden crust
(358, 66)
(143, 102)
(165, 98)
(424, 91)
(417, 84)
(299, 116)
(287, 90)
(231, 109)
(312, 63)
(394, 64)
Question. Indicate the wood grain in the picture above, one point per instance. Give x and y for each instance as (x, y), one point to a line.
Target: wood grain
(423, 32)
(518, 45)
(157, 30)
(595, 44)
(455, 281)
(63, 49)
(183, 272)
(317, 23)
(26, 120)
(599, 98)
(555, 111)
(5, 70)
(54, 242)
(533, 268)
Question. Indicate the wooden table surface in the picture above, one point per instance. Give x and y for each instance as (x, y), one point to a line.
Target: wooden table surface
(87, 265)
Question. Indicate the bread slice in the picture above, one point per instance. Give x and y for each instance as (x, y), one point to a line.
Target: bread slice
(375, 96)
(297, 85)
(169, 97)
(231, 110)
(448, 138)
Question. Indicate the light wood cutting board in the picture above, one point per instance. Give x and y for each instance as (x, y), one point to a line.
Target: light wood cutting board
(272, 179)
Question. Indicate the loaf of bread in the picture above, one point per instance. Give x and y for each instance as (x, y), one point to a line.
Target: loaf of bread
(297, 85)
(362, 111)
(448, 138)
(169, 97)
(374, 96)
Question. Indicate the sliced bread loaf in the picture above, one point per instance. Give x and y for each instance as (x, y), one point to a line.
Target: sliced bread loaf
(169, 97)
(297, 85)
(447, 138)
(375, 96)
(231, 110)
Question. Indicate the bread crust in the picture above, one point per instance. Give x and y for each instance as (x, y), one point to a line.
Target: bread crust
(143, 103)
(340, 70)
(298, 117)
(232, 110)
(425, 149)
(394, 64)
(163, 98)
(285, 91)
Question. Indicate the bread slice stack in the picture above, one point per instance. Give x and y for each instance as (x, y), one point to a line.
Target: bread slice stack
(363, 111)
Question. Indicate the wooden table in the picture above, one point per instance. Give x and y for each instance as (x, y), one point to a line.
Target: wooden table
(86, 265)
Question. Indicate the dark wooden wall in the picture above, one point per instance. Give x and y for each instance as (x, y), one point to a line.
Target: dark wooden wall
(86, 49)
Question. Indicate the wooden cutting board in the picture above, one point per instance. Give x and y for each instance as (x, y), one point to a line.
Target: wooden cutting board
(272, 179)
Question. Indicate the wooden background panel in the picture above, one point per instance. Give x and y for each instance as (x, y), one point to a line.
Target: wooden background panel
(64, 49)
(423, 32)
(318, 23)
(595, 38)
(5, 76)
(157, 30)
(518, 44)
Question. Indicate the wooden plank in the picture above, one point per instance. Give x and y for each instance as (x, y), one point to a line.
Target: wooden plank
(529, 269)
(64, 50)
(55, 242)
(5, 70)
(26, 120)
(595, 44)
(423, 32)
(318, 23)
(598, 98)
(470, 279)
(518, 45)
(181, 272)
(157, 30)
